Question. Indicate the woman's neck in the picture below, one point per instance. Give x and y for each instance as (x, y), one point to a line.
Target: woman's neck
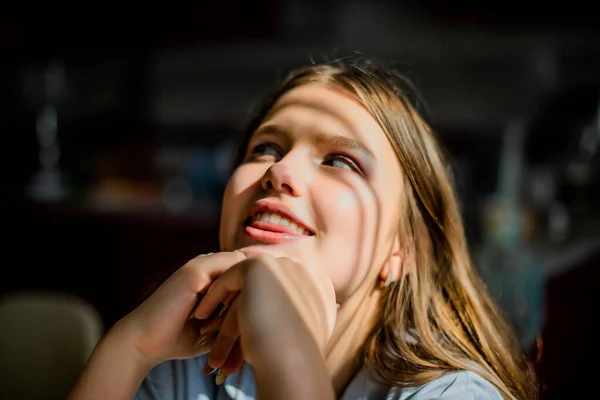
(355, 321)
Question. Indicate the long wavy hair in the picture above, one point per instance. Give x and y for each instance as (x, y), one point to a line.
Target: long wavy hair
(442, 302)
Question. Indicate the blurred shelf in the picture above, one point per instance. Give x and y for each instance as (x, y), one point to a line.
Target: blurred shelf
(561, 257)
(112, 257)
(140, 213)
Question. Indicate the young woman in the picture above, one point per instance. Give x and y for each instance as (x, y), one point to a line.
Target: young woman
(343, 272)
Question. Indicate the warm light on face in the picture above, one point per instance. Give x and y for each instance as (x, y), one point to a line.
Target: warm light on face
(327, 183)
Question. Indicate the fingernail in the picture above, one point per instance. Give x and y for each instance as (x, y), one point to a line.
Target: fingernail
(202, 340)
(208, 370)
(220, 378)
(223, 309)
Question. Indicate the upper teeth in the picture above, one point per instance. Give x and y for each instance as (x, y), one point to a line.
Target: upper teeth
(279, 220)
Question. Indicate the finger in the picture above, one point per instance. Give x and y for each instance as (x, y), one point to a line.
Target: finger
(219, 311)
(235, 361)
(227, 337)
(211, 325)
(208, 267)
(228, 300)
(224, 288)
(200, 272)
(214, 322)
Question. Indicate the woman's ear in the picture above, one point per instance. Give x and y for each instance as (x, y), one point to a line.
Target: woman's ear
(397, 264)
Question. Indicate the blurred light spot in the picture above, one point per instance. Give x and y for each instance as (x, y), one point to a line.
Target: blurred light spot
(177, 194)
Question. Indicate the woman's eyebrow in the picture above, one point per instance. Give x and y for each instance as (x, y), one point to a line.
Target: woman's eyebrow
(271, 129)
(346, 143)
(333, 140)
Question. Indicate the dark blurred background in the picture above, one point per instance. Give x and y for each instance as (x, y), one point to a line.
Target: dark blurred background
(118, 128)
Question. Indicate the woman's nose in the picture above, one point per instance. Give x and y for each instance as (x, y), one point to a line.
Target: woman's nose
(285, 177)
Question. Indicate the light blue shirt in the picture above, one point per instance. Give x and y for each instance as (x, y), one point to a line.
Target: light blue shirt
(184, 380)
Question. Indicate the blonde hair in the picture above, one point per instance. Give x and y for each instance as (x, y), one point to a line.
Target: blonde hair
(442, 302)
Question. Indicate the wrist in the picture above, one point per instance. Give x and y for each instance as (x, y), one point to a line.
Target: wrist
(123, 338)
(114, 370)
(293, 368)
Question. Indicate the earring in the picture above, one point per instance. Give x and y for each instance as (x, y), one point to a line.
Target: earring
(389, 279)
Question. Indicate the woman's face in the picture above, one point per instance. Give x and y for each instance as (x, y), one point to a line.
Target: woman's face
(320, 184)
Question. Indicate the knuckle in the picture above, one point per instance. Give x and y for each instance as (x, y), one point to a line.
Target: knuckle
(239, 255)
(200, 257)
(193, 274)
(193, 262)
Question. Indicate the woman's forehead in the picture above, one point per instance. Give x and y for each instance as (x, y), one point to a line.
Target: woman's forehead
(317, 107)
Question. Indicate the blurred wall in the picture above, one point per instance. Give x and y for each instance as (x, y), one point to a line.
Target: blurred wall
(118, 128)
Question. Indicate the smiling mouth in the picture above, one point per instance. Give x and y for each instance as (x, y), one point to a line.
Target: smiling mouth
(271, 227)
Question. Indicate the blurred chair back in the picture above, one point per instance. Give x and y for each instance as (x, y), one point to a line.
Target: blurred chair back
(45, 341)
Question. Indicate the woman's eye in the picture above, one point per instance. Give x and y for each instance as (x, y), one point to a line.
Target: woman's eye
(339, 161)
(266, 149)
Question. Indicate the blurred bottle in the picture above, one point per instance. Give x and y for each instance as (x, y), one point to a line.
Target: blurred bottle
(48, 183)
(508, 264)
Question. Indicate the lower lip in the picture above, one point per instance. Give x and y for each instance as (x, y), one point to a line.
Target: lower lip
(266, 236)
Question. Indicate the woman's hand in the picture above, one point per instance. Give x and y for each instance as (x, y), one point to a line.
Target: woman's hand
(272, 304)
(161, 327)
(158, 330)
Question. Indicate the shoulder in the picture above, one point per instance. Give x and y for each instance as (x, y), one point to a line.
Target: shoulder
(184, 379)
(452, 386)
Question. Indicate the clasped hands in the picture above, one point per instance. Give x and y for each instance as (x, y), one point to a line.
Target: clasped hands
(238, 307)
